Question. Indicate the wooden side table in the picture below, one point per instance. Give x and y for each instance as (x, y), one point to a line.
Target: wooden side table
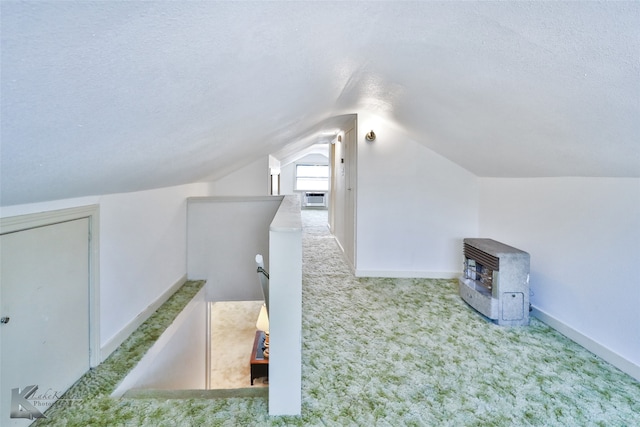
(259, 363)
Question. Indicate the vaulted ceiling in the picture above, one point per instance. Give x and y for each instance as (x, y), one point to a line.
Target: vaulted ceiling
(101, 97)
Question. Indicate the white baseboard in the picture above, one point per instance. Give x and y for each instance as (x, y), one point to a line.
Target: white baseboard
(598, 349)
(409, 274)
(119, 338)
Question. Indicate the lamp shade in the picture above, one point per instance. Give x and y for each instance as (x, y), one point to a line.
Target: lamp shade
(263, 319)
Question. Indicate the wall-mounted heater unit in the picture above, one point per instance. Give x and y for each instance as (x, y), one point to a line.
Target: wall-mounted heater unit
(315, 199)
(495, 281)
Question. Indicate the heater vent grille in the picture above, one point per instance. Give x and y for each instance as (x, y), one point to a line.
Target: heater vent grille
(488, 261)
(315, 199)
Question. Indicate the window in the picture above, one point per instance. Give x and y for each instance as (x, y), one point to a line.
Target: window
(312, 177)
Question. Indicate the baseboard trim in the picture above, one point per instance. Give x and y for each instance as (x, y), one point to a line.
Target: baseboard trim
(409, 274)
(111, 345)
(594, 347)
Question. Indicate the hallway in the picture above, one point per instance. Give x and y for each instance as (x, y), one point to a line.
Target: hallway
(384, 351)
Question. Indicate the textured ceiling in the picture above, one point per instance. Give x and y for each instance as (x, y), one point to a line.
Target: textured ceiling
(102, 97)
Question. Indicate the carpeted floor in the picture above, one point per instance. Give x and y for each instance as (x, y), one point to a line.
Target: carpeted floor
(233, 330)
(387, 352)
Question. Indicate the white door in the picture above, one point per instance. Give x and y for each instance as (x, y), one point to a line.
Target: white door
(350, 201)
(44, 301)
(343, 192)
(338, 189)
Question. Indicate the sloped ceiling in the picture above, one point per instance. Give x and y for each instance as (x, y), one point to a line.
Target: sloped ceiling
(102, 97)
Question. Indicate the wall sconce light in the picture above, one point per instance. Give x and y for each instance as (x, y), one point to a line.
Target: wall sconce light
(370, 136)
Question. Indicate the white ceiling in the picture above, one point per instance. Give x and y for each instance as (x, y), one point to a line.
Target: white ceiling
(103, 97)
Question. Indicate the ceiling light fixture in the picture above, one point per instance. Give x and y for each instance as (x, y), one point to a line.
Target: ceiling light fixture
(370, 136)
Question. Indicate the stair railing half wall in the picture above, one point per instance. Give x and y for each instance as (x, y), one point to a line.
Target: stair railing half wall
(285, 309)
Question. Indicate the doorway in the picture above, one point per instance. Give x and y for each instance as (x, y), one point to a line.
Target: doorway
(48, 283)
(342, 206)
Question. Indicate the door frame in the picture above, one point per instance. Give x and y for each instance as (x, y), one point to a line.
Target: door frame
(42, 219)
(351, 202)
(343, 213)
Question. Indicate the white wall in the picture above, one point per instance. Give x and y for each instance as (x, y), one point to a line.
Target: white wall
(414, 206)
(251, 180)
(224, 236)
(287, 179)
(582, 234)
(142, 251)
(143, 246)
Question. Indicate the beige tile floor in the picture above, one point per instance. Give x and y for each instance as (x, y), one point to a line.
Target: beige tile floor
(233, 329)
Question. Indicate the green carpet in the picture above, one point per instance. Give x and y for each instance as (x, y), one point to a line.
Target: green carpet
(385, 352)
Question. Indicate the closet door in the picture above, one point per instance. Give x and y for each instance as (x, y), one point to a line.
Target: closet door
(349, 243)
(342, 206)
(44, 300)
